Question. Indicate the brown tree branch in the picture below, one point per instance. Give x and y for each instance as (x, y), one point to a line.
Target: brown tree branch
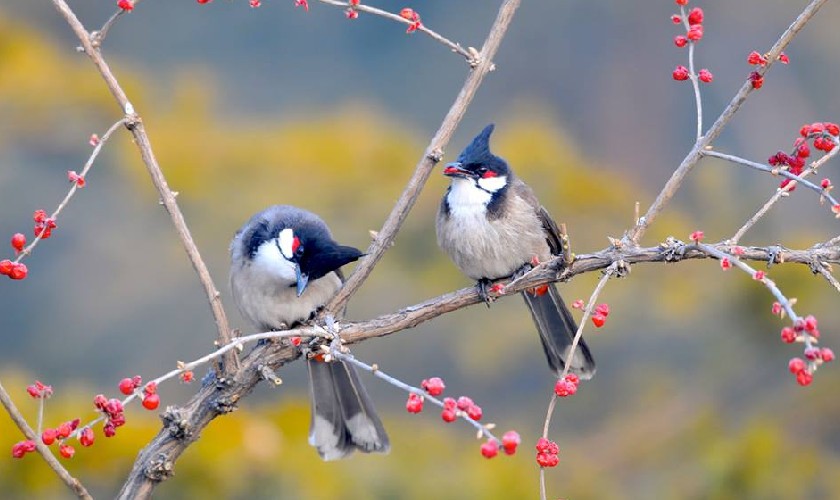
(42, 449)
(135, 125)
(688, 163)
(433, 154)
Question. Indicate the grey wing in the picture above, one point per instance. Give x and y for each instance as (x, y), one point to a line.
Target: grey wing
(552, 232)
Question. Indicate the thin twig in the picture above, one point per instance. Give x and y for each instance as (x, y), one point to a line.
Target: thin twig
(433, 154)
(483, 430)
(695, 84)
(42, 449)
(669, 190)
(780, 193)
(135, 125)
(824, 270)
(455, 47)
(765, 168)
(608, 272)
(54, 216)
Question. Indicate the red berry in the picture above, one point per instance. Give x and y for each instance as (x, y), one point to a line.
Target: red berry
(187, 376)
(812, 353)
(776, 309)
(109, 430)
(6, 267)
(565, 388)
(825, 184)
(151, 388)
(448, 415)
(680, 40)
(603, 309)
(680, 73)
(490, 449)
(725, 263)
(804, 378)
(19, 271)
(117, 420)
(757, 80)
(788, 335)
(39, 216)
(695, 33)
(99, 401)
(464, 402)
(833, 129)
(434, 386)
(18, 241)
(756, 59)
(681, 2)
(295, 341)
(86, 437)
(409, 14)
(48, 436)
(578, 304)
(783, 58)
(66, 451)
(695, 16)
(598, 320)
(510, 440)
(796, 365)
(573, 379)
(151, 401)
(126, 5)
(810, 323)
(254, 3)
(474, 412)
(113, 407)
(737, 250)
(547, 460)
(353, 3)
(302, 3)
(676, 19)
(546, 446)
(758, 275)
(449, 403)
(696, 236)
(414, 403)
(64, 430)
(705, 76)
(22, 448)
(126, 386)
(351, 14)
(826, 354)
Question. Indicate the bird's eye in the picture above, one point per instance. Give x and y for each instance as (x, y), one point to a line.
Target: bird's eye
(481, 171)
(299, 250)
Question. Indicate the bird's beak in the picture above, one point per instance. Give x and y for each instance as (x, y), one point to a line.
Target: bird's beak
(455, 169)
(302, 280)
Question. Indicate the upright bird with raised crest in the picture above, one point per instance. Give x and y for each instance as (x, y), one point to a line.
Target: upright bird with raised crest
(492, 226)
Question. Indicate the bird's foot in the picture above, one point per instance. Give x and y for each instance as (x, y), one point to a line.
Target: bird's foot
(483, 286)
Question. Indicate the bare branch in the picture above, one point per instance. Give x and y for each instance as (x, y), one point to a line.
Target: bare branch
(433, 154)
(455, 47)
(43, 450)
(135, 125)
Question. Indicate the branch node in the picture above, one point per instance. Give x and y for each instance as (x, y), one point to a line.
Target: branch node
(175, 423)
(225, 404)
(774, 255)
(159, 469)
(268, 374)
(673, 250)
(436, 155)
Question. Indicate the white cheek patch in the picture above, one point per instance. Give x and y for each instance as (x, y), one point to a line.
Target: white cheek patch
(492, 184)
(286, 240)
(269, 262)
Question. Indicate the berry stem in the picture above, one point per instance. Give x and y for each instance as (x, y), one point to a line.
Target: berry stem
(693, 76)
(590, 306)
(73, 188)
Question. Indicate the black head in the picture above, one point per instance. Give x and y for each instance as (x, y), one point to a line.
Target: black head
(295, 245)
(476, 161)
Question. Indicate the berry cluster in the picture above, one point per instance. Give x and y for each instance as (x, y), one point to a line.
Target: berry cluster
(351, 12)
(113, 411)
(693, 23)
(464, 406)
(547, 452)
(75, 178)
(824, 136)
(804, 330)
(59, 434)
(567, 386)
(126, 5)
(414, 18)
(756, 59)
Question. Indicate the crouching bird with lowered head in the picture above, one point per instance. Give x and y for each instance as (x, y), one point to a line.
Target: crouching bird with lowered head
(492, 226)
(285, 266)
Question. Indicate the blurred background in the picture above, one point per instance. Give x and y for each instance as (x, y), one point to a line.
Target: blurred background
(251, 107)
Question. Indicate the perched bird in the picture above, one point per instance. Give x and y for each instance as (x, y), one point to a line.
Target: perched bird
(285, 265)
(492, 226)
